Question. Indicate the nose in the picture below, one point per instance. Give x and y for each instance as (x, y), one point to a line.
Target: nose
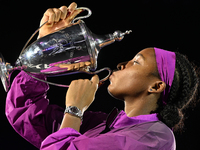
(122, 65)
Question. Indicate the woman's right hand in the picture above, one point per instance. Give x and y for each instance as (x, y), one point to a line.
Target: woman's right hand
(81, 92)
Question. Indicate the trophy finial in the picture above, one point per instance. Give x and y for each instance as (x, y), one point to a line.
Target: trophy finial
(118, 35)
(104, 40)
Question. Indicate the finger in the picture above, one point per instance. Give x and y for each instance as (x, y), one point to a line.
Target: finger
(95, 80)
(57, 13)
(82, 64)
(87, 63)
(64, 11)
(77, 66)
(50, 15)
(70, 67)
(73, 15)
(66, 66)
(72, 7)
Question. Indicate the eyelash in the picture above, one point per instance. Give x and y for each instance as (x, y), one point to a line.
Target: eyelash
(135, 62)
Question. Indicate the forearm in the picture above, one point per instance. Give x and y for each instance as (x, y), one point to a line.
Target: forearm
(71, 122)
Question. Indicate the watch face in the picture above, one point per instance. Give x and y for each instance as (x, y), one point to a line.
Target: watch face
(74, 110)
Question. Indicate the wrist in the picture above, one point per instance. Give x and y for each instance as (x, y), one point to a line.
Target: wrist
(70, 121)
(74, 111)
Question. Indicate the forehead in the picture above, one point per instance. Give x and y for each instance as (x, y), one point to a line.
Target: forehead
(148, 53)
(149, 57)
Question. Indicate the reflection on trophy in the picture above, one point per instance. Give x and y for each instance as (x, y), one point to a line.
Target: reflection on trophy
(57, 53)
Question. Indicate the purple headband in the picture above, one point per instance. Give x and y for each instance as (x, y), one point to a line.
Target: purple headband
(166, 62)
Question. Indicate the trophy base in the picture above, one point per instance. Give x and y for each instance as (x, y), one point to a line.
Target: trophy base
(4, 74)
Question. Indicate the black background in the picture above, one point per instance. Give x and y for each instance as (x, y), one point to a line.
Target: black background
(168, 24)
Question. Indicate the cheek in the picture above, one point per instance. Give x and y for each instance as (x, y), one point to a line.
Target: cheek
(116, 91)
(126, 84)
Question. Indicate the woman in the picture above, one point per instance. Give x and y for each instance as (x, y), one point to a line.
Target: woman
(158, 85)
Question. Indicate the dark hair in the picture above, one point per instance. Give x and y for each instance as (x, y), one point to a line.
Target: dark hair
(183, 94)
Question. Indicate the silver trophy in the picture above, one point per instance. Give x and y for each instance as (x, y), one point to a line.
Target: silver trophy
(73, 44)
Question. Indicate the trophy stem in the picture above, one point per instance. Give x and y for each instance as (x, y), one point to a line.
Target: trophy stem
(5, 72)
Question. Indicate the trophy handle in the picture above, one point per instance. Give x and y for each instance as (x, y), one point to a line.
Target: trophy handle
(83, 17)
(62, 85)
(78, 18)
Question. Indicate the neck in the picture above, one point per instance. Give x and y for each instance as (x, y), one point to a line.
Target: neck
(139, 106)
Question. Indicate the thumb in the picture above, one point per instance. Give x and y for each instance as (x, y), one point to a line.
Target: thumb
(95, 79)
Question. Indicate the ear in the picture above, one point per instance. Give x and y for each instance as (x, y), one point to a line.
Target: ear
(157, 87)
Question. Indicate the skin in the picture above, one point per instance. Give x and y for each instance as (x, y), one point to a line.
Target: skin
(140, 89)
(57, 18)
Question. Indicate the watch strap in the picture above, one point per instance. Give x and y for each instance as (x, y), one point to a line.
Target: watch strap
(75, 111)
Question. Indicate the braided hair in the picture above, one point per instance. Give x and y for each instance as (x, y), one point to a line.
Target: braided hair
(183, 94)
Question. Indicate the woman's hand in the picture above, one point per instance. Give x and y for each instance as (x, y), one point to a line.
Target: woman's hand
(81, 66)
(81, 92)
(57, 18)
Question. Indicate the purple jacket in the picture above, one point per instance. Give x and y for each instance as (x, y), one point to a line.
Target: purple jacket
(30, 114)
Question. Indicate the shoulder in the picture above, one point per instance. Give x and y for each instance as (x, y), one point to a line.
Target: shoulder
(163, 134)
(152, 134)
(161, 130)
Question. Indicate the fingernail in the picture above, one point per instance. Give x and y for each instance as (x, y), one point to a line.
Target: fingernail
(49, 24)
(68, 13)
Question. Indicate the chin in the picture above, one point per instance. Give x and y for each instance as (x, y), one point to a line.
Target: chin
(114, 95)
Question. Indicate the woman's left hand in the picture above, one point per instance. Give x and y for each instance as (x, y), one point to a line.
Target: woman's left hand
(57, 18)
(81, 66)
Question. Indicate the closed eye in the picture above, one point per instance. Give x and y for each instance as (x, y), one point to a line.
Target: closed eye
(135, 62)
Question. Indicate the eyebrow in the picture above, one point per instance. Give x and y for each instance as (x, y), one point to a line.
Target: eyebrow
(141, 56)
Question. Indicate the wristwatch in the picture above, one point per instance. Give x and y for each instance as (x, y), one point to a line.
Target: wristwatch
(75, 111)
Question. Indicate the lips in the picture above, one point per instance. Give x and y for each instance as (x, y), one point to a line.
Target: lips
(112, 75)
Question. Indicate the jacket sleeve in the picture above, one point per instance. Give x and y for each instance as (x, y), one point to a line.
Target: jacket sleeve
(28, 109)
(128, 138)
(70, 139)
